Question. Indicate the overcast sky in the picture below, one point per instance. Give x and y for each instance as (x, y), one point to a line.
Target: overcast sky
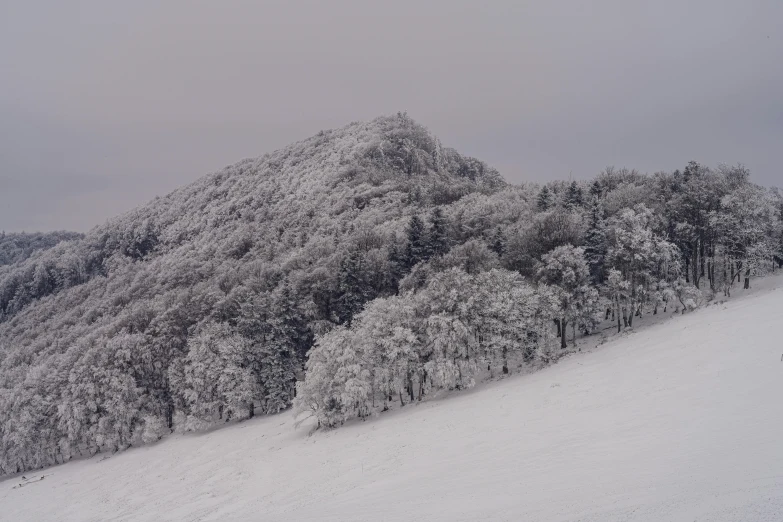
(104, 105)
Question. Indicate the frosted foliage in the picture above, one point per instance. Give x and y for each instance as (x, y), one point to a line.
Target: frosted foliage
(215, 380)
(405, 346)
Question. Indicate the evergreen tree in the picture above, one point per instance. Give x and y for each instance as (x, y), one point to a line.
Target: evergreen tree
(292, 321)
(595, 190)
(416, 249)
(277, 367)
(545, 199)
(574, 196)
(397, 265)
(438, 240)
(595, 243)
(693, 169)
(498, 244)
(352, 293)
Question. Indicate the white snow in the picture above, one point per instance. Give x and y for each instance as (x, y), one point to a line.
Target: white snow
(677, 421)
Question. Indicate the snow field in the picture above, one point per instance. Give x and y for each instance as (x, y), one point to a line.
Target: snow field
(677, 421)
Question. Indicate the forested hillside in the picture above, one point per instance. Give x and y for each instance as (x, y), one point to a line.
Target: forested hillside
(15, 248)
(209, 304)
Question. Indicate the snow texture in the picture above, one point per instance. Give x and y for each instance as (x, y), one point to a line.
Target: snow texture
(677, 421)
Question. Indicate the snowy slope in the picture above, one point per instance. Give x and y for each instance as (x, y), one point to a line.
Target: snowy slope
(678, 421)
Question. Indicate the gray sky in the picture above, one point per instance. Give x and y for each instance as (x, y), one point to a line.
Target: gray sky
(104, 105)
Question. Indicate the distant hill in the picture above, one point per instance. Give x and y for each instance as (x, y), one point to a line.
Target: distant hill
(17, 247)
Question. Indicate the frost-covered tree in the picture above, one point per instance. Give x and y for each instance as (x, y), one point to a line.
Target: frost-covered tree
(438, 239)
(545, 199)
(321, 393)
(498, 242)
(640, 255)
(277, 365)
(215, 378)
(416, 249)
(440, 337)
(596, 191)
(388, 338)
(566, 272)
(596, 245)
(353, 290)
(616, 290)
(574, 197)
(746, 230)
(472, 256)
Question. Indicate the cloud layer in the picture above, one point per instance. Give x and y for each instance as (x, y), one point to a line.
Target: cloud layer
(103, 107)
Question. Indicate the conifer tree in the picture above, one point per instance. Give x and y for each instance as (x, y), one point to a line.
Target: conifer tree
(595, 243)
(292, 321)
(277, 366)
(574, 196)
(351, 288)
(545, 200)
(416, 249)
(438, 240)
(595, 190)
(498, 244)
(397, 264)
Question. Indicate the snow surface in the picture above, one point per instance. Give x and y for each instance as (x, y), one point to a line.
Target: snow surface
(681, 420)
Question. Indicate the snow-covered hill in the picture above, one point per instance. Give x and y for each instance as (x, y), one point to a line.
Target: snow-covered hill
(678, 421)
(93, 330)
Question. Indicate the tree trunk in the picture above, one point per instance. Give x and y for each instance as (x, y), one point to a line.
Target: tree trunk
(633, 299)
(701, 259)
(401, 403)
(422, 380)
(563, 333)
(747, 279)
(169, 415)
(573, 334)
